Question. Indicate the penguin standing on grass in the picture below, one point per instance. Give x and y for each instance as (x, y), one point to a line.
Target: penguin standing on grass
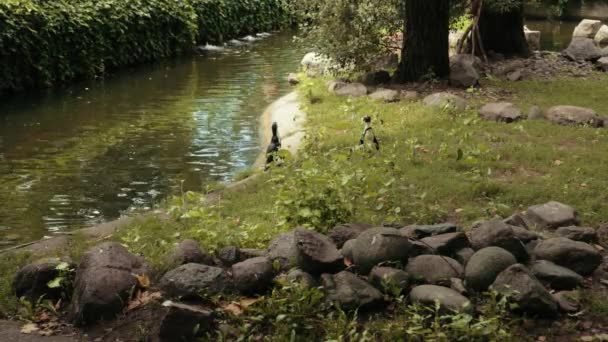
(368, 132)
(275, 144)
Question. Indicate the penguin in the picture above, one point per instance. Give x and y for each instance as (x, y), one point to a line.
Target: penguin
(368, 130)
(275, 144)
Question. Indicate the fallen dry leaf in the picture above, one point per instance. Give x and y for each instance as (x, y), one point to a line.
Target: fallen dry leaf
(247, 302)
(29, 328)
(557, 162)
(143, 298)
(233, 308)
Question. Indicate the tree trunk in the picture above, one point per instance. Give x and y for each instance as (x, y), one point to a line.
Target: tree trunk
(503, 32)
(425, 47)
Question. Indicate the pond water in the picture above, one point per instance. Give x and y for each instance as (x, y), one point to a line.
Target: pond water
(82, 155)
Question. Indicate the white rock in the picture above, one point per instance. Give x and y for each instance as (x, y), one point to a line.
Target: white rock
(601, 38)
(587, 29)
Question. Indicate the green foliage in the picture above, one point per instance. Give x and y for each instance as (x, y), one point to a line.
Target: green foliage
(9, 265)
(49, 42)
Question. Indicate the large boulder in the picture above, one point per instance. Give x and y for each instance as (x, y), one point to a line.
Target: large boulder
(422, 231)
(577, 256)
(193, 281)
(445, 100)
(447, 244)
(350, 292)
(389, 280)
(587, 29)
(378, 245)
(385, 95)
(189, 251)
(551, 215)
(434, 269)
(601, 38)
(583, 49)
(497, 233)
(283, 250)
(316, 253)
(348, 231)
(572, 115)
(583, 234)
(351, 90)
(449, 300)
(518, 283)
(104, 281)
(253, 275)
(465, 70)
(501, 112)
(347, 249)
(555, 276)
(31, 281)
(533, 39)
(485, 265)
(524, 235)
(184, 322)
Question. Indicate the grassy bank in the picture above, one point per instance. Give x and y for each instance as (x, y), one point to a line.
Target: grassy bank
(434, 165)
(44, 43)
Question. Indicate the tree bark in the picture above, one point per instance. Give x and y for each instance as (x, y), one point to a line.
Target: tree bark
(426, 45)
(503, 32)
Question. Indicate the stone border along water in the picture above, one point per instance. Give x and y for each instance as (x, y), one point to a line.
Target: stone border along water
(285, 111)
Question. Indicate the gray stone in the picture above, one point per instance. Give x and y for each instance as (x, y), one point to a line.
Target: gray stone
(516, 220)
(583, 234)
(568, 301)
(378, 245)
(447, 244)
(317, 253)
(551, 215)
(350, 292)
(194, 281)
(465, 70)
(524, 235)
(253, 275)
(283, 249)
(434, 269)
(420, 248)
(386, 95)
(229, 255)
(457, 285)
(389, 280)
(375, 78)
(577, 256)
(535, 113)
(351, 90)
(515, 76)
(485, 265)
(333, 86)
(344, 232)
(103, 282)
(601, 37)
(497, 233)
(293, 79)
(464, 255)
(409, 95)
(189, 251)
(305, 279)
(449, 300)
(422, 231)
(603, 64)
(31, 280)
(587, 28)
(347, 250)
(250, 253)
(583, 49)
(555, 276)
(518, 283)
(501, 112)
(445, 100)
(572, 115)
(184, 322)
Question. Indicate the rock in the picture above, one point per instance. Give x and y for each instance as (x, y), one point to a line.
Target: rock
(514, 76)
(376, 78)
(583, 49)
(602, 233)
(601, 37)
(184, 322)
(551, 215)
(572, 115)
(434, 269)
(577, 256)
(189, 251)
(587, 29)
(378, 245)
(103, 283)
(603, 64)
(31, 281)
(317, 253)
(229, 255)
(420, 248)
(350, 292)
(422, 231)
(449, 300)
(555, 276)
(501, 112)
(457, 285)
(527, 292)
(410, 96)
(533, 39)
(446, 101)
(250, 253)
(524, 235)
(385, 95)
(333, 86)
(447, 244)
(293, 79)
(485, 265)
(583, 234)
(389, 280)
(535, 113)
(344, 232)
(497, 233)
(511, 66)
(193, 281)
(305, 279)
(464, 255)
(347, 249)
(568, 301)
(253, 275)
(283, 249)
(352, 90)
(464, 70)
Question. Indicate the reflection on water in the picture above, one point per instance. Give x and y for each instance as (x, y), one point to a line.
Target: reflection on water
(82, 155)
(555, 35)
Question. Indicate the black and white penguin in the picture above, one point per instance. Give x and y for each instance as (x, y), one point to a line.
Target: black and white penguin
(275, 144)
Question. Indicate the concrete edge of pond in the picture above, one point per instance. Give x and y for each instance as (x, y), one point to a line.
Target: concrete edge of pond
(285, 111)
